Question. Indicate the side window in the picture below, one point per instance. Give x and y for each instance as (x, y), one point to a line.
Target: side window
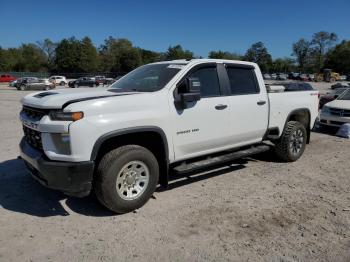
(242, 81)
(208, 80)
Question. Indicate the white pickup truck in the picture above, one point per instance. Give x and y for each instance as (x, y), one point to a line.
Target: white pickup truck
(162, 118)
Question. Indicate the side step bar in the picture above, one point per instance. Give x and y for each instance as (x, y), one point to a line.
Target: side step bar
(204, 163)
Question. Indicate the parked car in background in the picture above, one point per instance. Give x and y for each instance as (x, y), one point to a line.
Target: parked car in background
(83, 81)
(36, 84)
(334, 94)
(342, 78)
(293, 76)
(337, 112)
(273, 76)
(339, 85)
(282, 76)
(6, 78)
(311, 77)
(104, 80)
(267, 76)
(13, 83)
(58, 80)
(303, 77)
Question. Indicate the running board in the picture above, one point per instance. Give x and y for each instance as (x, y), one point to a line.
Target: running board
(212, 161)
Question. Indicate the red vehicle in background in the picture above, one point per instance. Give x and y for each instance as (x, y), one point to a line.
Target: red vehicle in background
(6, 78)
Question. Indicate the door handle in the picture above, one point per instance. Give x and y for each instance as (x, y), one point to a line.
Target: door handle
(220, 107)
(262, 102)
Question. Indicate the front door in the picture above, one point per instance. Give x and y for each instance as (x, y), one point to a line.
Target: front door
(204, 126)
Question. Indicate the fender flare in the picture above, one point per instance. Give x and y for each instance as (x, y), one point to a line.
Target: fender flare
(126, 131)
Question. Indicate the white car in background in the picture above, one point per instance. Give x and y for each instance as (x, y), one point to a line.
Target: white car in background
(59, 80)
(337, 112)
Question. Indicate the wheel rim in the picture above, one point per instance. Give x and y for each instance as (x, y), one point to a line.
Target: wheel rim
(132, 180)
(296, 142)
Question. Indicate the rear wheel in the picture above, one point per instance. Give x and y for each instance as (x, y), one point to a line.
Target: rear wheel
(292, 143)
(126, 178)
(62, 83)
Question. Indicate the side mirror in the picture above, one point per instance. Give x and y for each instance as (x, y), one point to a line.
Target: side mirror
(188, 91)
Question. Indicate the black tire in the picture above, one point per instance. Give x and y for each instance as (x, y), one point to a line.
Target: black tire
(111, 164)
(288, 148)
(62, 83)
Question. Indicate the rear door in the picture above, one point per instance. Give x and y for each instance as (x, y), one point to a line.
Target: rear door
(248, 105)
(203, 126)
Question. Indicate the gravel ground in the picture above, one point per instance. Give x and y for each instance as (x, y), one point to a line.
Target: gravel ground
(254, 210)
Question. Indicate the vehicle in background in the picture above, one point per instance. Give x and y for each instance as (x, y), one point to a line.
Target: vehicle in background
(337, 112)
(296, 86)
(58, 80)
(330, 96)
(282, 76)
(273, 76)
(327, 76)
(83, 81)
(342, 78)
(267, 76)
(339, 85)
(311, 77)
(104, 80)
(36, 84)
(293, 76)
(13, 83)
(6, 78)
(124, 140)
(303, 77)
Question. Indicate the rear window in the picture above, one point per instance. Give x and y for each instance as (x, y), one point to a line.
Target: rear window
(242, 81)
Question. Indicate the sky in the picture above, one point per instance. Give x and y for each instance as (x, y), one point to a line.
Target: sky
(197, 25)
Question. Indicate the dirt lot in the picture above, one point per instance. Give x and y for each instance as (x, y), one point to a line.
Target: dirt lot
(254, 210)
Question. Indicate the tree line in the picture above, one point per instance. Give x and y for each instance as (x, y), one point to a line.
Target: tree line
(74, 55)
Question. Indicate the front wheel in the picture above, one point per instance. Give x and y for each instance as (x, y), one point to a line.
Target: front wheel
(126, 178)
(292, 143)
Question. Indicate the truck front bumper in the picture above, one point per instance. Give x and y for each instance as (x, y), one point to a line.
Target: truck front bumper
(72, 178)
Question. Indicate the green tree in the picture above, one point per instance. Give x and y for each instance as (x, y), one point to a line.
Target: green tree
(49, 48)
(177, 52)
(339, 58)
(321, 42)
(73, 55)
(148, 56)
(33, 59)
(301, 50)
(224, 55)
(119, 55)
(259, 54)
(283, 65)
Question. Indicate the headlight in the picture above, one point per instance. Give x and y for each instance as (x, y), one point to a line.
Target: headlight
(66, 116)
(325, 110)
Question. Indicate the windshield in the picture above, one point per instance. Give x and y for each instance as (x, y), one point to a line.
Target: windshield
(345, 95)
(148, 78)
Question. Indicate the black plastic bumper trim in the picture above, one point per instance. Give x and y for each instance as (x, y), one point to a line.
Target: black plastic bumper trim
(72, 178)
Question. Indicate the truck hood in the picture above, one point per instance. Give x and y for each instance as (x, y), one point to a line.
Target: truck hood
(57, 99)
(341, 104)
